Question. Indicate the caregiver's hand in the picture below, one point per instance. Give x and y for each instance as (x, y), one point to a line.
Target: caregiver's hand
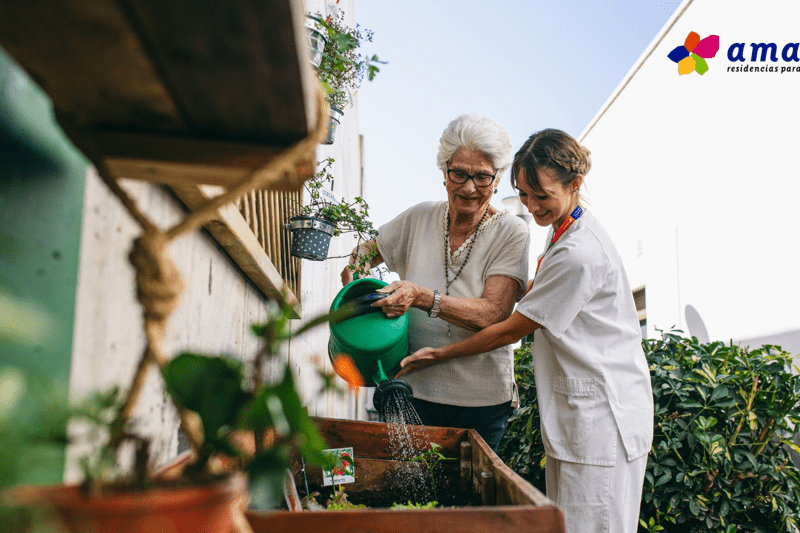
(403, 295)
(417, 361)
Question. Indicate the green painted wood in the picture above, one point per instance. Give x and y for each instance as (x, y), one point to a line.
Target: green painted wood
(42, 178)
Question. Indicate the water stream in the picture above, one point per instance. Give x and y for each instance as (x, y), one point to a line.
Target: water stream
(407, 440)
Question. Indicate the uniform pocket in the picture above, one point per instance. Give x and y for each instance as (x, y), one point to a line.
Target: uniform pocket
(571, 414)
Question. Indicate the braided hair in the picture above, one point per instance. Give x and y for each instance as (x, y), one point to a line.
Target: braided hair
(552, 149)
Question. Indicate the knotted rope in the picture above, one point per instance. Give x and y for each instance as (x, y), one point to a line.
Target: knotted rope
(159, 284)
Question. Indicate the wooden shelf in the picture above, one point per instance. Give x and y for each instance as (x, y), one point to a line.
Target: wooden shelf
(179, 92)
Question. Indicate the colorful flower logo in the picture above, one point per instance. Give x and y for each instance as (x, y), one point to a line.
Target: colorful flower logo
(692, 55)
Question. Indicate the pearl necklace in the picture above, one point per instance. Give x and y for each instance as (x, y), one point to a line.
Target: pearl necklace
(447, 279)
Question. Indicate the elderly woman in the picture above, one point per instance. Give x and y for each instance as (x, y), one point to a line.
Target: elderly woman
(463, 264)
(592, 380)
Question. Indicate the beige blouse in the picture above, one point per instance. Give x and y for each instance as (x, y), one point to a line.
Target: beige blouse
(413, 245)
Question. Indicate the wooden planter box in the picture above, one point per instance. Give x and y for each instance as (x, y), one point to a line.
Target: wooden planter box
(508, 503)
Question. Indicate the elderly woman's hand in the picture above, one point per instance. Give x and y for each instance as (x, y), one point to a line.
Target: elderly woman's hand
(417, 361)
(403, 295)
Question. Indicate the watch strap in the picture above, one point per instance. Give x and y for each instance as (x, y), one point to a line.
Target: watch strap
(437, 301)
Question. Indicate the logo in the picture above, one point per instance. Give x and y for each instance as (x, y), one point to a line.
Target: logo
(692, 55)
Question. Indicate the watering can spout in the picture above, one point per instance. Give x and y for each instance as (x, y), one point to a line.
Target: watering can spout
(391, 390)
(379, 376)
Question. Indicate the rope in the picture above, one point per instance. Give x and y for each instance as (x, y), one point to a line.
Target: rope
(159, 284)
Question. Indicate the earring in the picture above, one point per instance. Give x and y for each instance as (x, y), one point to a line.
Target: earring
(495, 190)
(444, 183)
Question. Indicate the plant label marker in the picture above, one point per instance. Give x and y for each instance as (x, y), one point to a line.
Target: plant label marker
(344, 470)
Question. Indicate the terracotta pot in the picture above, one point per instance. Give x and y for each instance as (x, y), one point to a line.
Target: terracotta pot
(196, 508)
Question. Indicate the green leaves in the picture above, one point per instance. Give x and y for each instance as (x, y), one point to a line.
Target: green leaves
(431, 458)
(718, 411)
(348, 217)
(211, 387)
(724, 420)
(521, 448)
(343, 68)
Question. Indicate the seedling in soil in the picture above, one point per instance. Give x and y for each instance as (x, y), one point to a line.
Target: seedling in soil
(431, 458)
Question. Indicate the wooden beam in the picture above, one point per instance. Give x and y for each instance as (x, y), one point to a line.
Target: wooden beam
(234, 68)
(466, 465)
(488, 491)
(232, 232)
(511, 488)
(179, 92)
(180, 160)
(523, 519)
(86, 57)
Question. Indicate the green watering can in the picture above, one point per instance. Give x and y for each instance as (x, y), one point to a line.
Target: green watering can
(375, 342)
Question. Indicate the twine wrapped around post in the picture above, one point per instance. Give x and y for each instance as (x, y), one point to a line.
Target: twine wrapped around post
(159, 284)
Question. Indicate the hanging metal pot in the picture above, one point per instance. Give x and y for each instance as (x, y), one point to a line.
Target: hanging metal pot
(311, 237)
(334, 117)
(316, 40)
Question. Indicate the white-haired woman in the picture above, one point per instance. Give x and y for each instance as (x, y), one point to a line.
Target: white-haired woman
(463, 264)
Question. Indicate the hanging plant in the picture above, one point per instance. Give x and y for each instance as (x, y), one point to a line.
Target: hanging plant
(324, 216)
(343, 67)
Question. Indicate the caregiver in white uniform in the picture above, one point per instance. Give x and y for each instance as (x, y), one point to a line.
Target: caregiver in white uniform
(592, 380)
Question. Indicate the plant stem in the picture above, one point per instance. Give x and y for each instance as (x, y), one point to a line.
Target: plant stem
(744, 413)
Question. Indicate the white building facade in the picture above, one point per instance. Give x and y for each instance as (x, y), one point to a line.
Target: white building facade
(694, 175)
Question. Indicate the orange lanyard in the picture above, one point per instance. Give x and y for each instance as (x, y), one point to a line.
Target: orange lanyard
(575, 215)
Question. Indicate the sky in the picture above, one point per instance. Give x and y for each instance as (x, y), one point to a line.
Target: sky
(527, 64)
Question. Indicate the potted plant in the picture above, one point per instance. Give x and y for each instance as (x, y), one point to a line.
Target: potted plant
(343, 68)
(247, 425)
(326, 216)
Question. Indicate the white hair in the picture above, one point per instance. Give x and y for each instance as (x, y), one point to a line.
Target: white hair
(476, 132)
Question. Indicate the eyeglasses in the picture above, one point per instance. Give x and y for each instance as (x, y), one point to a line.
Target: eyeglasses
(481, 179)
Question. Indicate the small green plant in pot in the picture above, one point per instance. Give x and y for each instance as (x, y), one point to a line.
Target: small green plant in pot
(326, 216)
(247, 422)
(343, 67)
(430, 459)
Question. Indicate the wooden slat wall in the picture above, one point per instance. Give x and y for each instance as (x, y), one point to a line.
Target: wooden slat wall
(266, 212)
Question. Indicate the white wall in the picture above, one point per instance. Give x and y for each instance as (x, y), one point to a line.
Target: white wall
(217, 308)
(701, 169)
(321, 279)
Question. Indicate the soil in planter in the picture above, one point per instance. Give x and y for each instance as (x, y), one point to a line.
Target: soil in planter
(395, 489)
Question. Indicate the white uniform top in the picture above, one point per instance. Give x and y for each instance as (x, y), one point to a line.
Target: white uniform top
(592, 378)
(413, 246)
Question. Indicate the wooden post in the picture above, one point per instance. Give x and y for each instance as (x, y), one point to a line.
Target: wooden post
(466, 465)
(488, 492)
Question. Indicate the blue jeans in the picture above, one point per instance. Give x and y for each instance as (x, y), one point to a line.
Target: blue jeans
(490, 422)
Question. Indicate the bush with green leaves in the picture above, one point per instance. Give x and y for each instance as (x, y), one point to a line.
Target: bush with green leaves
(724, 421)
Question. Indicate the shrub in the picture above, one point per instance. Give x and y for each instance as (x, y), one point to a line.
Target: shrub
(521, 448)
(724, 420)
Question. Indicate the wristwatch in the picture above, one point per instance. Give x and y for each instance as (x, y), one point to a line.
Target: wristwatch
(437, 301)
